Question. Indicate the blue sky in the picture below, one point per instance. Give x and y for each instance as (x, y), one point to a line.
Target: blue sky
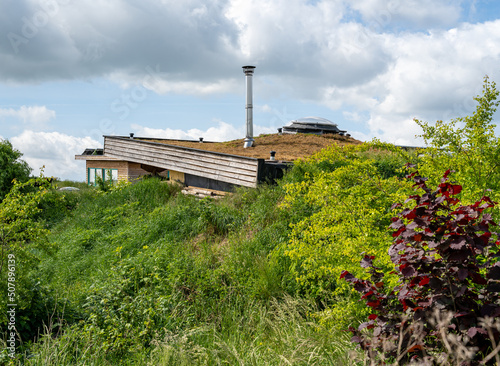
(72, 71)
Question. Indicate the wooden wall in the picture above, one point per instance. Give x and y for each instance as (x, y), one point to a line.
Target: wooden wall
(233, 169)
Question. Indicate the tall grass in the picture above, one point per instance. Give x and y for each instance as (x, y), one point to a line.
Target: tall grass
(278, 333)
(146, 276)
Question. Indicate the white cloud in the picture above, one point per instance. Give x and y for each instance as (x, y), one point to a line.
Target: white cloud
(31, 116)
(55, 151)
(418, 13)
(352, 116)
(223, 132)
(264, 108)
(432, 76)
(192, 87)
(390, 60)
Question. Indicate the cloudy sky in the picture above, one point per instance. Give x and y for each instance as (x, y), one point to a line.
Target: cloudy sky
(74, 70)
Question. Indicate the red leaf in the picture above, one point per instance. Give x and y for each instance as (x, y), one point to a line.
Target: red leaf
(424, 281)
(462, 274)
(373, 304)
(456, 189)
(369, 293)
(408, 271)
(415, 348)
(410, 215)
(486, 237)
(418, 237)
(373, 316)
(397, 233)
(343, 274)
(473, 331)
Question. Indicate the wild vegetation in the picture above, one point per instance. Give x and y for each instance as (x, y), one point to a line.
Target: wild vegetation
(11, 167)
(143, 275)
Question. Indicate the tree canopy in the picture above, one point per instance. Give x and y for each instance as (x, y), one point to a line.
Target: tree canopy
(11, 167)
(467, 145)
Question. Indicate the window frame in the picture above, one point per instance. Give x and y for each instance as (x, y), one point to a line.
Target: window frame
(102, 173)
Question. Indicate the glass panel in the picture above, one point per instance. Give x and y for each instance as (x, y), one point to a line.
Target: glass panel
(114, 175)
(91, 176)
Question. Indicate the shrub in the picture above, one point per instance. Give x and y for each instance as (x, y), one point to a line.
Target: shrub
(348, 214)
(446, 258)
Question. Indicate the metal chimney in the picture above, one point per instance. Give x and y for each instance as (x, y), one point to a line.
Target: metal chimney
(248, 70)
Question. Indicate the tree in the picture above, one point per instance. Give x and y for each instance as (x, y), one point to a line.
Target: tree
(467, 145)
(11, 167)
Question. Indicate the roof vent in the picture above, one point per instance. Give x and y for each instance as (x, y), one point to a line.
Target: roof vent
(131, 136)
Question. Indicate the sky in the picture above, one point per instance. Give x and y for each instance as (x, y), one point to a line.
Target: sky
(72, 71)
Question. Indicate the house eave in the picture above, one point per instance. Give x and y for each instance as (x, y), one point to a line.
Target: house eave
(96, 157)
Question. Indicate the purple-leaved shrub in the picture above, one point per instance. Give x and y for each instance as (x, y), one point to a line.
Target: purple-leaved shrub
(448, 263)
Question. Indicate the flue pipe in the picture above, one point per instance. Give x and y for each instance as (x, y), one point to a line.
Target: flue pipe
(248, 70)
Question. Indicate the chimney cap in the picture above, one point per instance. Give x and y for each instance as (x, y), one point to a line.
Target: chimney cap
(248, 69)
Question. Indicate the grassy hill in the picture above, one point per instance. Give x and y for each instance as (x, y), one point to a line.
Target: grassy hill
(143, 275)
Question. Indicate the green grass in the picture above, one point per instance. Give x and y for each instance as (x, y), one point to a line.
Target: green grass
(278, 333)
(143, 275)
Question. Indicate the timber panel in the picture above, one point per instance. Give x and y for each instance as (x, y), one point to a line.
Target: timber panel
(222, 167)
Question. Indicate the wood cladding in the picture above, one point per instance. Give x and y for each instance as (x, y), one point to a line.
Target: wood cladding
(227, 168)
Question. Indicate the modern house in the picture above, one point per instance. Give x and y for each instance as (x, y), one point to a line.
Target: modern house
(128, 158)
(218, 166)
(215, 166)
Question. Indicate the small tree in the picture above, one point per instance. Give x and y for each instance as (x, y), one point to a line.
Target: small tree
(11, 167)
(448, 296)
(467, 145)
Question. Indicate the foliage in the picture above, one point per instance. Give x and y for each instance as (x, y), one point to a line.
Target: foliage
(142, 253)
(447, 261)
(348, 204)
(279, 333)
(11, 167)
(19, 229)
(23, 240)
(467, 145)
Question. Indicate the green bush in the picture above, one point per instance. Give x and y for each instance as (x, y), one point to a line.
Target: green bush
(346, 213)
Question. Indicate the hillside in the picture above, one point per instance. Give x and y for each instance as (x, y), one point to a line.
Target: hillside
(142, 274)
